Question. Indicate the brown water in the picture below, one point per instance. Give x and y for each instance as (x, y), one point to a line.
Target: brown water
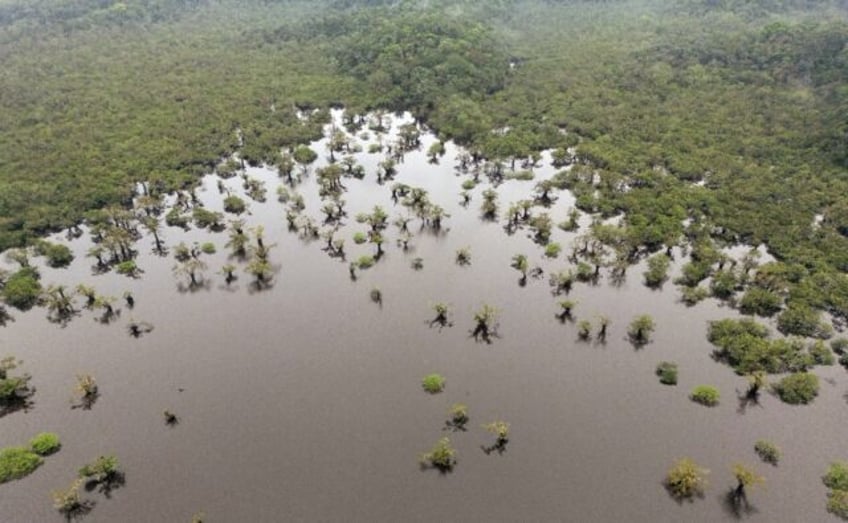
(303, 402)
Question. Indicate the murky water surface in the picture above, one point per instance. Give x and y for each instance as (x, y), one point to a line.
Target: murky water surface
(303, 402)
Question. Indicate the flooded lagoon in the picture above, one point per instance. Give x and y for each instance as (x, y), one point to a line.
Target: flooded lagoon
(303, 401)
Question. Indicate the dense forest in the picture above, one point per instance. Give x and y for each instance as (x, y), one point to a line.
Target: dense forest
(703, 123)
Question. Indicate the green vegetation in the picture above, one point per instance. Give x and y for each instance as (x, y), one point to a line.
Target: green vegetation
(705, 395)
(640, 329)
(442, 456)
(365, 262)
(45, 443)
(458, 414)
(69, 502)
(101, 470)
(745, 477)
(22, 289)
(501, 431)
(360, 237)
(552, 250)
(686, 479)
(235, 205)
(57, 255)
(667, 371)
(745, 346)
(657, 272)
(433, 383)
(836, 479)
(13, 389)
(17, 462)
(798, 388)
(767, 451)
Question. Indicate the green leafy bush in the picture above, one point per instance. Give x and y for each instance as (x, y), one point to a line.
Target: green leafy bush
(17, 462)
(364, 262)
(768, 451)
(667, 371)
(45, 443)
(657, 272)
(798, 388)
(553, 249)
(433, 383)
(705, 395)
(441, 456)
(22, 288)
(57, 255)
(685, 479)
(101, 469)
(359, 238)
(761, 302)
(235, 205)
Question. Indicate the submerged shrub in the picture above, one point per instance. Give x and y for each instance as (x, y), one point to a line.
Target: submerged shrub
(100, 470)
(57, 255)
(798, 388)
(17, 462)
(667, 371)
(234, 204)
(433, 383)
(364, 262)
(442, 456)
(686, 479)
(359, 238)
(768, 451)
(45, 443)
(22, 289)
(657, 272)
(553, 249)
(705, 395)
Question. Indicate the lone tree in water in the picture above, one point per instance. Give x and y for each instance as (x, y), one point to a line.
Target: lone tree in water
(485, 321)
(520, 263)
(686, 479)
(640, 330)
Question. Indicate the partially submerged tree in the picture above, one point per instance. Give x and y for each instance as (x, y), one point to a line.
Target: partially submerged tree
(686, 479)
(640, 329)
(485, 323)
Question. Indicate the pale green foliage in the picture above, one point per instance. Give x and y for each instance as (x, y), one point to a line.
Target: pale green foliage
(433, 383)
(686, 479)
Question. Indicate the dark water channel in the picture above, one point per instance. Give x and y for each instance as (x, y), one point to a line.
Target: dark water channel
(303, 402)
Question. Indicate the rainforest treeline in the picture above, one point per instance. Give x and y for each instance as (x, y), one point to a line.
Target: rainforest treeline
(700, 121)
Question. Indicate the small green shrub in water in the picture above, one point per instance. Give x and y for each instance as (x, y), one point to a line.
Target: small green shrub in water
(798, 388)
(767, 451)
(836, 479)
(705, 395)
(667, 371)
(68, 502)
(657, 272)
(553, 249)
(686, 479)
(458, 414)
(101, 469)
(359, 238)
(365, 262)
(500, 429)
(584, 329)
(837, 503)
(127, 268)
(433, 383)
(17, 462)
(208, 248)
(821, 353)
(45, 443)
(234, 204)
(640, 329)
(442, 456)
